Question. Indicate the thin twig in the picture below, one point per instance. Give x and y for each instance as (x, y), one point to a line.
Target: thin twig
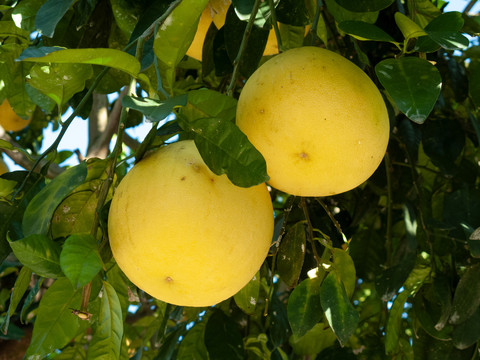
(243, 46)
(388, 242)
(303, 204)
(275, 25)
(332, 218)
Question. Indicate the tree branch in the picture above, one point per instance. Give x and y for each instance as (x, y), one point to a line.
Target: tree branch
(100, 147)
(23, 161)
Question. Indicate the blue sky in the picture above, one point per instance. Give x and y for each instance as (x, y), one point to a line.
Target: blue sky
(77, 134)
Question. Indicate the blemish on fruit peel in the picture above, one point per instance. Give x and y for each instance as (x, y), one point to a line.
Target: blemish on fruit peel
(253, 301)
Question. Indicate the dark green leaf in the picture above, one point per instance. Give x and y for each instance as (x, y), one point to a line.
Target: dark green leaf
(154, 110)
(279, 327)
(39, 211)
(304, 307)
(80, 259)
(55, 325)
(345, 268)
(113, 58)
(467, 333)
(341, 14)
(226, 150)
(394, 322)
(462, 207)
(25, 12)
(314, 341)
(467, 296)
(39, 253)
(209, 103)
(292, 12)
(108, 331)
(291, 254)
(253, 51)
(365, 31)
(474, 84)
(48, 16)
(223, 339)
(192, 346)
(443, 31)
(340, 313)
(21, 285)
(474, 243)
(365, 5)
(443, 142)
(413, 83)
(246, 298)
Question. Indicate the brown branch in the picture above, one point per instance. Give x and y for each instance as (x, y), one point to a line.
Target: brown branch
(100, 147)
(97, 119)
(23, 161)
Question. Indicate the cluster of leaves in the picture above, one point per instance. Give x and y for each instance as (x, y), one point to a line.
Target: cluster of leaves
(388, 269)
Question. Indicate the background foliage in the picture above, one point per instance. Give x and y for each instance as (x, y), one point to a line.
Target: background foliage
(395, 261)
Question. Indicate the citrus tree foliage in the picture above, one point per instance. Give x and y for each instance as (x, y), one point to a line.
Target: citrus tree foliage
(387, 270)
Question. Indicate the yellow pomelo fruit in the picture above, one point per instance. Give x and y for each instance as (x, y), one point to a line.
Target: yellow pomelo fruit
(3, 166)
(9, 120)
(185, 235)
(318, 119)
(215, 11)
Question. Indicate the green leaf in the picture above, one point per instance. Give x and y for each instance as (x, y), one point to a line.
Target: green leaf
(175, 36)
(25, 12)
(21, 285)
(467, 296)
(304, 307)
(394, 323)
(474, 83)
(341, 14)
(443, 31)
(48, 16)
(76, 213)
(55, 325)
(108, 331)
(291, 254)
(60, 81)
(226, 150)
(246, 298)
(365, 5)
(234, 29)
(154, 110)
(223, 339)
(209, 103)
(408, 27)
(113, 58)
(256, 346)
(340, 313)
(11, 214)
(314, 341)
(467, 333)
(9, 29)
(474, 243)
(345, 268)
(364, 31)
(413, 83)
(38, 215)
(192, 346)
(80, 259)
(39, 253)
